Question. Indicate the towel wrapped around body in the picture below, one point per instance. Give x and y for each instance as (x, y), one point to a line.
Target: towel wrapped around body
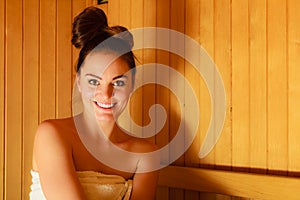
(95, 185)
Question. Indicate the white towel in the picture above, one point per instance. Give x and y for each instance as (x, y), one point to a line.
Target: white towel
(95, 185)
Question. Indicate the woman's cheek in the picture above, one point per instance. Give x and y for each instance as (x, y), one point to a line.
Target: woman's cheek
(88, 93)
(122, 94)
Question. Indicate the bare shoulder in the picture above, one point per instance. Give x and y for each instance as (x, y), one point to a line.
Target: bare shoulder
(51, 136)
(55, 127)
(52, 129)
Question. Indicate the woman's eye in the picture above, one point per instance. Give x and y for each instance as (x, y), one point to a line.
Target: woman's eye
(119, 83)
(94, 82)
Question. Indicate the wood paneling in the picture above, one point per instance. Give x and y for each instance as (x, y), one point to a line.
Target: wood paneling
(47, 85)
(63, 59)
(254, 44)
(258, 84)
(206, 37)
(30, 105)
(293, 85)
(240, 84)
(222, 59)
(13, 101)
(163, 57)
(2, 95)
(277, 86)
(192, 24)
(177, 10)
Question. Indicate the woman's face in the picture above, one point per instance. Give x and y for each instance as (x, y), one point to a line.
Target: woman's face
(105, 84)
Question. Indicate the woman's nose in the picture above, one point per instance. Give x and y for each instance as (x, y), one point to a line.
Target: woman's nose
(105, 90)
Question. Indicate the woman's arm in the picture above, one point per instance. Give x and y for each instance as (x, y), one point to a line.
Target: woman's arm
(145, 180)
(144, 186)
(53, 159)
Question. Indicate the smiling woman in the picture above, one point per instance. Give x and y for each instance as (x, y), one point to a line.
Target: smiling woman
(108, 91)
(67, 154)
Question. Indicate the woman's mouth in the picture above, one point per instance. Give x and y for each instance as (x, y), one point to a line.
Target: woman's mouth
(104, 105)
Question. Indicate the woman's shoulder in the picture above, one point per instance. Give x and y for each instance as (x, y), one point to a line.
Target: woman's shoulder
(62, 122)
(52, 138)
(55, 129)
(56, 125)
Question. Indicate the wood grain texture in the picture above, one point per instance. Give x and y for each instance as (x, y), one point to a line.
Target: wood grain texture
(113, 13)
(240, 84)
(206, 39)
(258, 83)
(2, 95)
(30, 89)
(63, 59)
(177, 63)
(238, 184)
(163, 93)
(222, 59)
(293, 85)
(277, 86)
(13, 101)
(136, 103)
(47, 85)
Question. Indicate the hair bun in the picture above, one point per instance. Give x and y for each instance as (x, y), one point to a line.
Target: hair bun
(87, 25)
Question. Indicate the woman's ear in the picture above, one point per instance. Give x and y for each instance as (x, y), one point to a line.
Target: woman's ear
(78, 82)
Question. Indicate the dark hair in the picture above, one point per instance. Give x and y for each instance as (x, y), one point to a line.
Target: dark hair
(92, 33)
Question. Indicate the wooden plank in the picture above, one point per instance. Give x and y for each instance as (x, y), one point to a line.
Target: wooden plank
(162, 193)
(222, 49)
(113, 13)
(177, 63)
(240, 84)
(125, 14)
(207, 42)
(149, 56)
(224, 197)
(63, 60)
(294, 89)
(177, 14)
(192, 29)
(13, 101)
(30, 89)
(258, 85)
(90, 2)
(77, 7)
(163, 93)
(207, 196)
(2, 95)
(136, 103)
(248, 185)
(47, 83)
(277, 87)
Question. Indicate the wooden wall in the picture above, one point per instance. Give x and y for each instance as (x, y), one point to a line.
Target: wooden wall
(255, 45)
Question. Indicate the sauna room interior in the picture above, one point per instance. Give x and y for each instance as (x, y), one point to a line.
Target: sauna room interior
(253, 49)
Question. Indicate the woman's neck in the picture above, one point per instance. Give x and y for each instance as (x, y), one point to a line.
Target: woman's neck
(109, 129)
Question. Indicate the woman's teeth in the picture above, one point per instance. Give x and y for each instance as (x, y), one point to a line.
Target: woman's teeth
(105, 105)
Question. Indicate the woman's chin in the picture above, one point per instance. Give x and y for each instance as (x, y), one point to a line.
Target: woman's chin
(109, 118)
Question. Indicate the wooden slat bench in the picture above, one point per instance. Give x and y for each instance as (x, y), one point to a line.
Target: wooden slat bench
(246, 185)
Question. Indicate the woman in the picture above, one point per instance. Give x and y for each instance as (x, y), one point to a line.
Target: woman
(67, 157)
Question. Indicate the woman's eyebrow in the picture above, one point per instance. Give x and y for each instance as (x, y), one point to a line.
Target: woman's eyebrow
(116, 77)
(95, 76)
(120, 76)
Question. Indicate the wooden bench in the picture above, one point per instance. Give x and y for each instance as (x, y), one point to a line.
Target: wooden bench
(239, 184)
